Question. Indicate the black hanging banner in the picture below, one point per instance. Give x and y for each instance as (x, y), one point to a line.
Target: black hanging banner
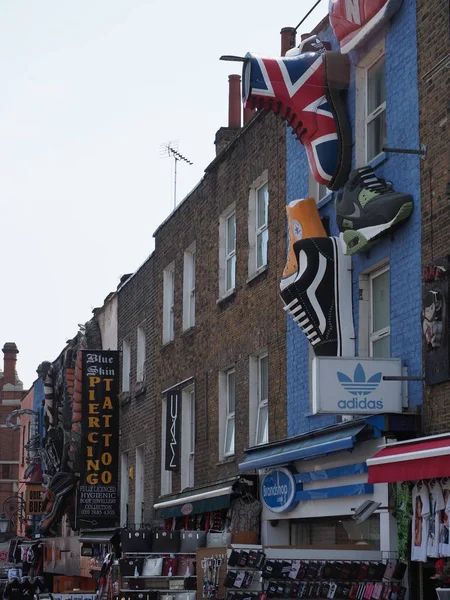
(98, 495)
(173, 440)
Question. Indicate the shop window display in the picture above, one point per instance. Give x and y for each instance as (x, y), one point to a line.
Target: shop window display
(337, 531)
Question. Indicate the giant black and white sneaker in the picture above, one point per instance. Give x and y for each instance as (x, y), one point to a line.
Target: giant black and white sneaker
(367, 208)
(319, 296)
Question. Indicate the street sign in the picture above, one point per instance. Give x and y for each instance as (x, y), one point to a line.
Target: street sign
(3, 555)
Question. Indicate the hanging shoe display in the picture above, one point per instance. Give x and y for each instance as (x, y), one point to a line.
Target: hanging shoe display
(307, 90)
(319, 296)
(367, 208)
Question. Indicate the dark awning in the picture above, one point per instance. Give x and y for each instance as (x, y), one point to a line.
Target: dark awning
(424, 458)
(196, 501)
(310, 445)
(97, 536)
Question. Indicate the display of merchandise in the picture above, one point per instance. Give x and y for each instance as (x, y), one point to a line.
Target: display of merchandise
(437, 504)
(420, 521)
(307, 90)
(303, 222)
(444, 542)
(319, 297)
(296, 578)
(244, 514)
(367, 208)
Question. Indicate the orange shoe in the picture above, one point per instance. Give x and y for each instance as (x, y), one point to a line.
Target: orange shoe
(304, 222)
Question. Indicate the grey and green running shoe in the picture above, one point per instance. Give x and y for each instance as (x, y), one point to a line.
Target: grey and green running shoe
(367, 208)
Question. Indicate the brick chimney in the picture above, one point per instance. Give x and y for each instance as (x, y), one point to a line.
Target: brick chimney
(225, 135)
(234, 101)
(288, 41)
(10, 352)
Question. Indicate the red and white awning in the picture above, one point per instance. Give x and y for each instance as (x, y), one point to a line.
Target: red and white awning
(423, 458)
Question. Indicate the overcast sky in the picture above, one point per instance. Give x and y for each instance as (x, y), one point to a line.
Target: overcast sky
(90, 90)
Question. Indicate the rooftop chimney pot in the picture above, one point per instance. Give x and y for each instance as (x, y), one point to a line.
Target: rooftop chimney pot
(288, 39)
(234, 101)
(10, 352)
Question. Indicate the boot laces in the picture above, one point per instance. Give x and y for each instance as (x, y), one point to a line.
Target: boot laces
(370, 181)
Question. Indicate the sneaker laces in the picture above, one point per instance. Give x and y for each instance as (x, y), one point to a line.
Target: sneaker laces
(370, 181)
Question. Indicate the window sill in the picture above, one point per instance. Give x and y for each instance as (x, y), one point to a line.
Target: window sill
(140, 389)
(226, 296)
(226, 460)
(188, 331)
(167, 344)
(124, 398)
(257, 273)
(379, 160)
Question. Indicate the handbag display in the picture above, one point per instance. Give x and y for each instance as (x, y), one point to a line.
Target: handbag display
(152, 567)
(136, 584)
(138, 540)
(130, 567)
(186, 566)
(218, 539)
(166, 542)
(170, 566)
(191, 540)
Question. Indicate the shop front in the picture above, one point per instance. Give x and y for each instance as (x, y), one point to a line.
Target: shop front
(418, 472)
(321, 511)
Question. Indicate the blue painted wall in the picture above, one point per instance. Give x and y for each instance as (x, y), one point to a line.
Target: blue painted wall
(38, 400)
(404, 250)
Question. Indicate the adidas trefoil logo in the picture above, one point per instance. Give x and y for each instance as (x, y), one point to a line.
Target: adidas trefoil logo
(358, 385)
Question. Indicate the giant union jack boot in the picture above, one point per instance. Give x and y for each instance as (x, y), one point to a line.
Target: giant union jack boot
(353, 21)
(306, 89)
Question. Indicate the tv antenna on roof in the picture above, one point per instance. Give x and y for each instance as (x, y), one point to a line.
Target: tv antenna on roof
(170, 150)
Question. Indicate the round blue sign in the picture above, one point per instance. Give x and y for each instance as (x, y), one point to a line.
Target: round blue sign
(278, 490)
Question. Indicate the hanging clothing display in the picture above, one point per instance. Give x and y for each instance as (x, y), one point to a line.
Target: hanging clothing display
(436, 505)
(444, 542)
(403, 511)
(244, 514)
(420, 521)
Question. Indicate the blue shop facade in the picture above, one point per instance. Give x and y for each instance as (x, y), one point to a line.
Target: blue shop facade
(314, 484)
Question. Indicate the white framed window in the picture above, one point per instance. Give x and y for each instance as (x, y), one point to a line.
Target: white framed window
(124, 488)
(258, 399)
(370, 106)
(189, 287)
(188, 438)
(262, 421)
(380, 313)
(316, 190)
(227, 412)
(258, 224)
(227, 251)
(126, 365)
(168, 303)
(139, 487)
(140, 354)
(166, 476)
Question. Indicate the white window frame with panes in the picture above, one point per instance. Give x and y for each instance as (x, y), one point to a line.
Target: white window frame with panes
(166, 476)
(227, 413)
(370, 104)
(187, 437)
(258, 224)
(168, 303)
(227, 251)
(126, 365)
(189, 269)
(316, 190)
(259, 399)
(124, 488)
(374, 311)
(140, 353)
(139, 485)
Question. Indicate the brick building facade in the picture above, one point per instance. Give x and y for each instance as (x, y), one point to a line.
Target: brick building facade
(433, 47)
(206, 329)
(11, 393)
